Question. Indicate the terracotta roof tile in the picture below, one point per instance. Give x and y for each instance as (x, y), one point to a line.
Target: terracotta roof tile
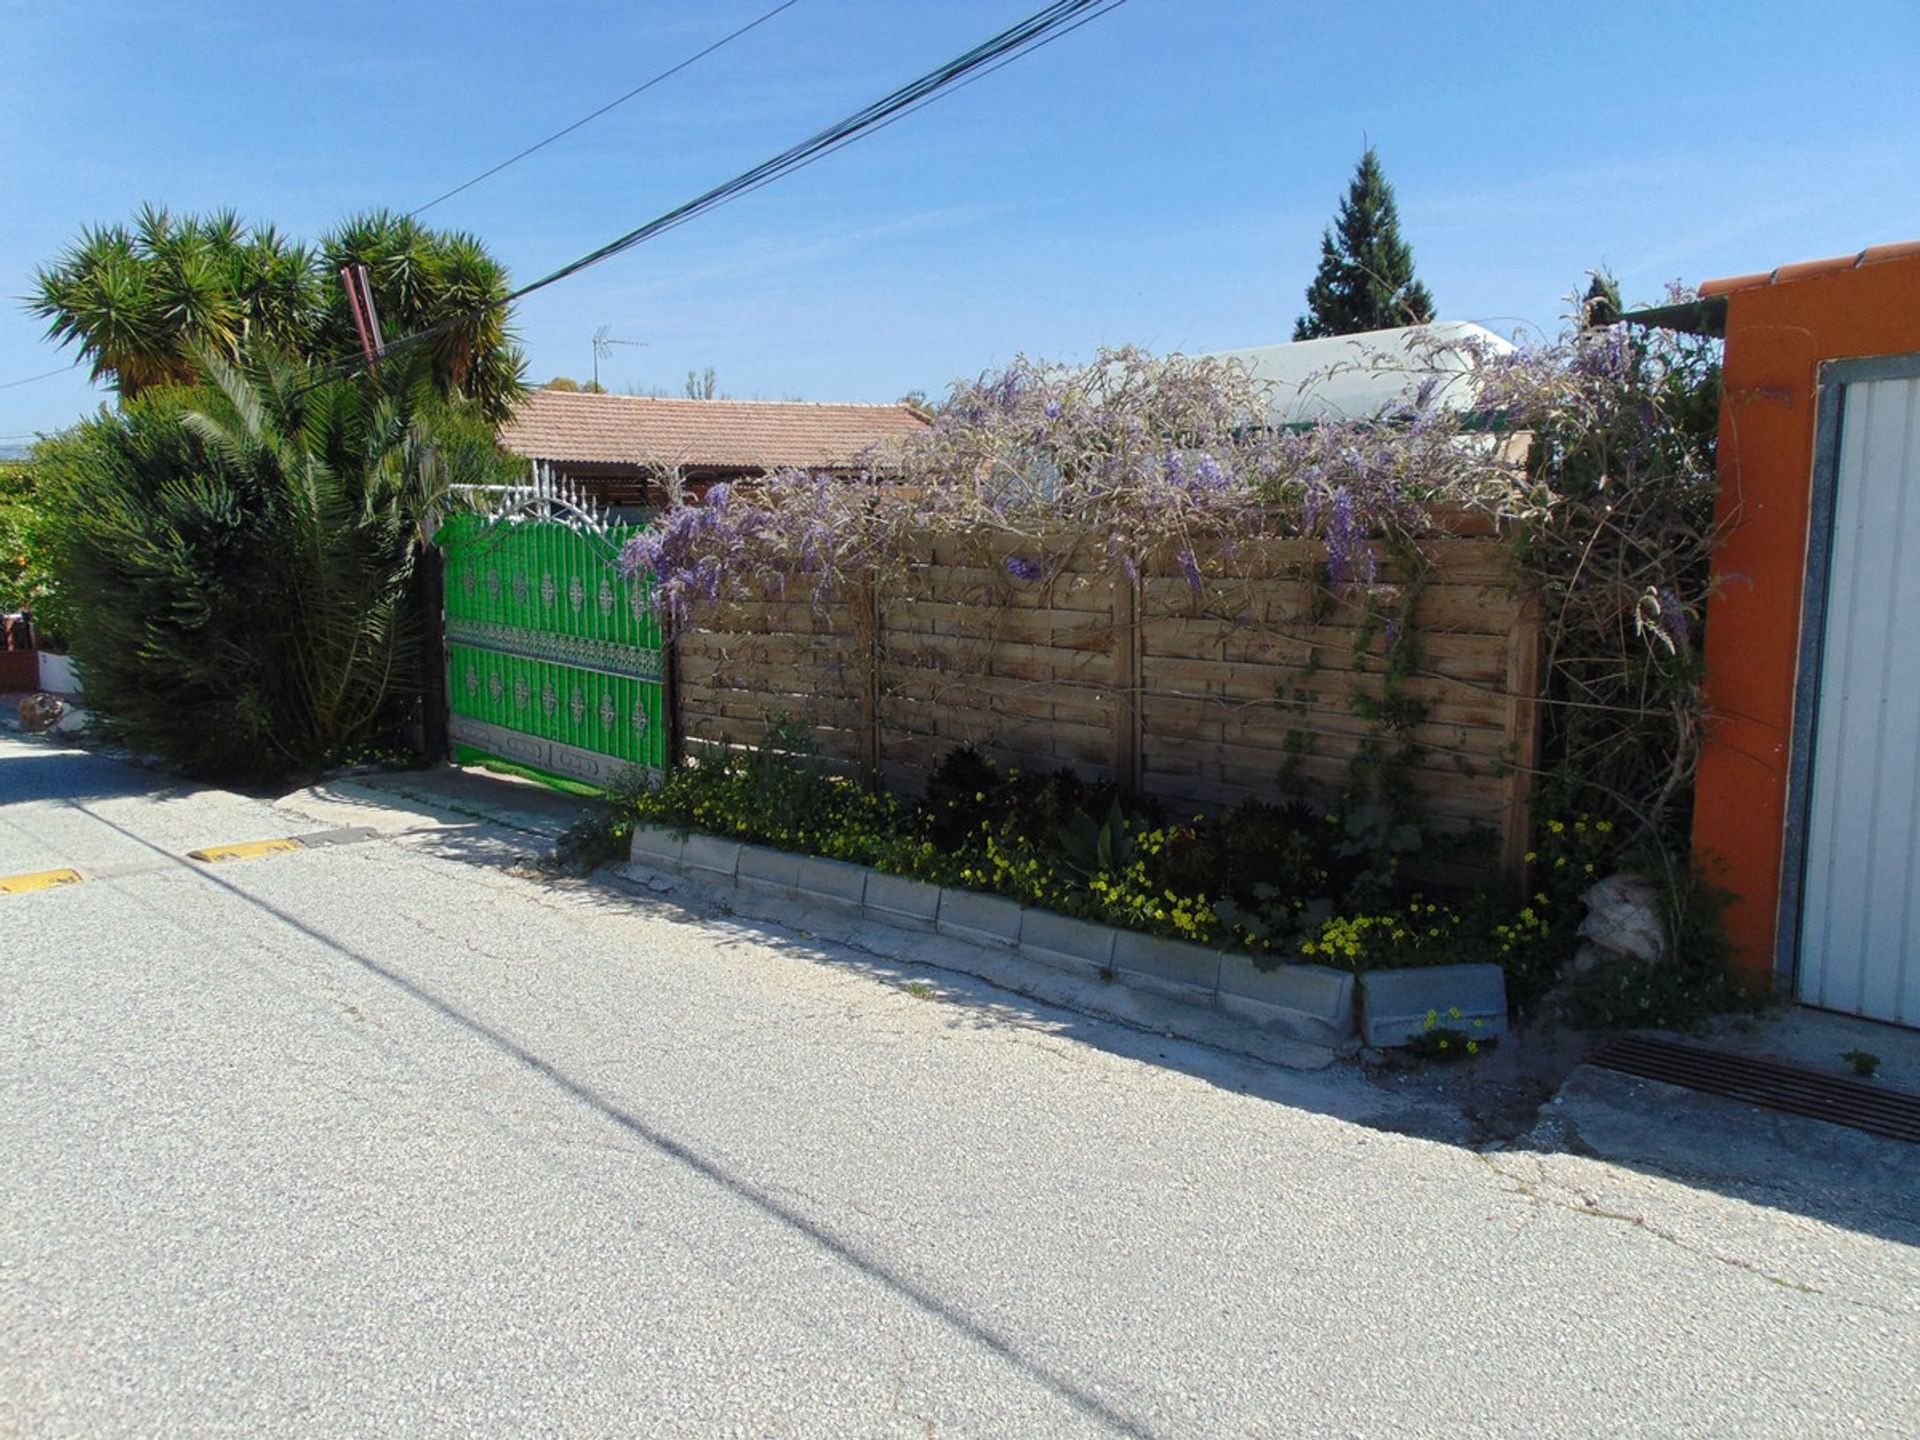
(562, 425)
(1807, 269)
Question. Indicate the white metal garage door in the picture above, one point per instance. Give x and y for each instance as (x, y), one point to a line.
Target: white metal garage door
(1860, 906)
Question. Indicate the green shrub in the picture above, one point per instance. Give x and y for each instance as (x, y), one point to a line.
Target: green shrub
(26, 582)
(235, 561)
(773, 793)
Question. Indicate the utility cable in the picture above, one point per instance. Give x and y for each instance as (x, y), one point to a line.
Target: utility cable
(611, 104)
(1021, 38)
(538, 145)
(45, 374)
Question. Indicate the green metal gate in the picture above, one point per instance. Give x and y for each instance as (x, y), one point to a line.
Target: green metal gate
(553, 657)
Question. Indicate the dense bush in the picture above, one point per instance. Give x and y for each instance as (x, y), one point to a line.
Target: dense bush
(236, 560)
(1609, 508)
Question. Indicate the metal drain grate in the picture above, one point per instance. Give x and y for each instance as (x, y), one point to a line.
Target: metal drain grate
(1768, 1083)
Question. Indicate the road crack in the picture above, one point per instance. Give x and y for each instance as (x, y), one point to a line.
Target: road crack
(1580, 1203)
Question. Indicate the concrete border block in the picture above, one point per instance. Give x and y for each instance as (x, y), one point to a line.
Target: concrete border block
(896, 900)
(708, 857)
(1314, 1002)
(1172, 966)
(1070, 944)
(657, 848)
(983, 919)
(764, 868)
(831, 882)
(1394, 1004)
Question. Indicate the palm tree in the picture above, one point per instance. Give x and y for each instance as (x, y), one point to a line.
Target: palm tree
(145, 302)
(240, 555)
(443, 285)
(140, 301)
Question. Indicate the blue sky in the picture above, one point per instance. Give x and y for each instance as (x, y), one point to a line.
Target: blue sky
(1160, 177)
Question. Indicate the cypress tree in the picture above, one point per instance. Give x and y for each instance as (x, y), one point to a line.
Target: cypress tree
(1365, 280)
(1601, 304)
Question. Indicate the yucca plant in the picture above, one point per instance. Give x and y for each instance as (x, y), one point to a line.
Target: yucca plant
(144, 302)
(433, 281)
(238, 559)
(140, 302)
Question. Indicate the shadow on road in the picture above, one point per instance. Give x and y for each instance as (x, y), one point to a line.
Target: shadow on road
(50, 771)
(841, 1248)
(1824, 1172)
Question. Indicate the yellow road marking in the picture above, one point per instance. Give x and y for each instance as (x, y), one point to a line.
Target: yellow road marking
(245, 850)
(38, 880)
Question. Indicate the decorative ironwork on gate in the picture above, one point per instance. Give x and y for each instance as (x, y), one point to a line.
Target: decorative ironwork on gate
(553, 657)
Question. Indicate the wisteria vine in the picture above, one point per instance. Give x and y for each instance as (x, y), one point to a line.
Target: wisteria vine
(1609, 497)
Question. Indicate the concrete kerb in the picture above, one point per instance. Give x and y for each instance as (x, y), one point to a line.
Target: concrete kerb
(1172, 967)
(658, 849)
(982, 919)
(1309, 1003)
(895, 900)
(775, 871)
(708, 857)
(832, 882)
(1395, 1004)
(1069, 944)
(1315, 1001)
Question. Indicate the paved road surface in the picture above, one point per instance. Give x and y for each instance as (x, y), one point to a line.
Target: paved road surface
(367, 1141)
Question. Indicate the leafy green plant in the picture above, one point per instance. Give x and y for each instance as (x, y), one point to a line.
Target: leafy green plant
(26, 582)
(605, 832)
(235, 561)
(1438, 1040)
(1281, 883)
(1863, 1063)
(1097, 847)
(774, 793)
(1375, 841)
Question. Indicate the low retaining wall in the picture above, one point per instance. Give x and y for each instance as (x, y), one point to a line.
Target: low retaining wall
(56, 673)
(1314, 1003)
(19, 670)
(1311, 1003)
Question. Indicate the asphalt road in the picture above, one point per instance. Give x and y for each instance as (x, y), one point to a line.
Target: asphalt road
(365, 1140)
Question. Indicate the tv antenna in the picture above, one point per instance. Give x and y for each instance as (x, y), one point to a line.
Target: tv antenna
(603, 343)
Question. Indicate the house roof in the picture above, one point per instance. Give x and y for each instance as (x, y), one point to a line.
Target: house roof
(1708, 314)
(1368, 374)
(560, 425)
(1806, 269)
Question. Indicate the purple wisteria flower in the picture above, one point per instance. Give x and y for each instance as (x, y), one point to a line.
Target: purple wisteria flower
(1021, 568)
(1190, 567)
(1675, 615)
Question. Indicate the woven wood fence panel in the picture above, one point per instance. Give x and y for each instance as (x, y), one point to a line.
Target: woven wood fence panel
(1244, 687)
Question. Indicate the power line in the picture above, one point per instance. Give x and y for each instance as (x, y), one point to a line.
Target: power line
(538, 145)
(1016, 38)
(45, 374)
(1045, 25)
(611, 104)
(1038, 29)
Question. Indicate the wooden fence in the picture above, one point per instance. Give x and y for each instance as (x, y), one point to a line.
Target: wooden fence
(1261, 683)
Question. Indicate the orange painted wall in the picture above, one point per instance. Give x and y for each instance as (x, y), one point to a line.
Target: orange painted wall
(1779, 328)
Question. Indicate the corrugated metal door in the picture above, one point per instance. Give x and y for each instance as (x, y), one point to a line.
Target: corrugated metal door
(1860, 913)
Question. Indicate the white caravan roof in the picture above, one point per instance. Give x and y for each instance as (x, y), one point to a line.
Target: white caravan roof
(1365, 375)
